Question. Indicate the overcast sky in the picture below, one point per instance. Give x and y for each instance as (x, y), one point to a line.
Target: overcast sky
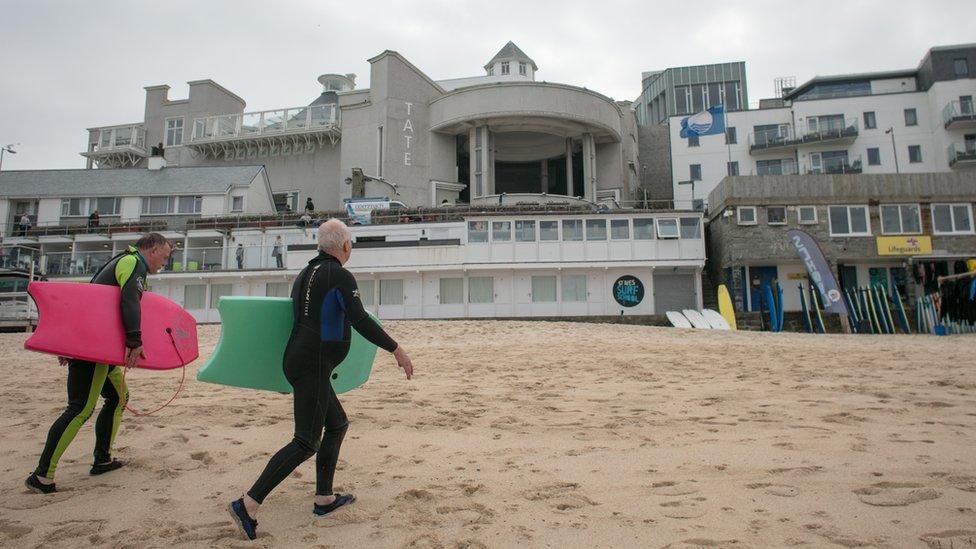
(66, 66)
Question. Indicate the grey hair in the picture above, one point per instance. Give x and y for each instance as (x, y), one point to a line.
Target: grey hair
(332, 235)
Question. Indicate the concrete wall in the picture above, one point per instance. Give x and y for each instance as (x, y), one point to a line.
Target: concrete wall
(654, 161)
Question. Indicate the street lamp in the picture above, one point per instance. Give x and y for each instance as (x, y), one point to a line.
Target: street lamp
(894, 150)
(7, 148)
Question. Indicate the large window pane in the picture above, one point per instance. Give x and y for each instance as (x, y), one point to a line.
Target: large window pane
(574, 288)
(596, 229)
(501, 231)
(619, 229)
(477, 231)
(277, 289)
(838, 220)
(548, 230)
(525, 231)
(690, 228)
(667, 228)
(859, 220)
(452, 290)
(188, 204)
(219, 290)
(910, 219)
(890, 219)
(644, 228)
(572, 229)
(960, 214)
(941, 219)
(155, 205)
(105, 206)
(195, 296)
(543, 289)
(391, 292)
(481, 289)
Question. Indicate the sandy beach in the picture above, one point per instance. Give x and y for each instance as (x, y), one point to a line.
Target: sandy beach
(538, 435)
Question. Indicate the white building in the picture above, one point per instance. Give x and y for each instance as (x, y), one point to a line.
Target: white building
(909, 121)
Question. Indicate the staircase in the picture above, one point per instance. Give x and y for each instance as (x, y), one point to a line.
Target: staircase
(709, 292)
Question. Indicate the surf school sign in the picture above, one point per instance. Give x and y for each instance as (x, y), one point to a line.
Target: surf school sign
(819, 271)
(628, 291)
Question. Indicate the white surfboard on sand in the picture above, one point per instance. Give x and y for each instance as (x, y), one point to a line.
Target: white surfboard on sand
(696, 319)
(715, 320)
(678, 320)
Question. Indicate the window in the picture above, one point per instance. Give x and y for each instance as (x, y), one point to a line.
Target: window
(730, 136)
(733, 167)
(156, 205)
(504, 67)
(548, 230)
(961, 66)
(695, 172)
(277, 289)
(911, 117)
(667, 227)
(572, 229)
(874, 156)
(481, 289)
(574, 288)
(286, 200)
(690, 227)
(195, 296)
(848, 221)
(105, 206)
(391, 292)
(477, 231)
(776, 215)
(807, 215)
(914, 154)
(174, 132)
(693, 141)
(237, 204)
(900, 219)
(644, 228)
(501, 231)
(522, 69)
(746, 215)
(543, 289)
(779, 166)
(619, 229)
(596, 229)
(72, 206)
(952, 218)
(367, 292)
(870, 121)
(191, 204)
(219, 290)
(525, 231)
(452, 291)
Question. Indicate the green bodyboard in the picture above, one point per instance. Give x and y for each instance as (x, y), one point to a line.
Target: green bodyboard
(253, 336)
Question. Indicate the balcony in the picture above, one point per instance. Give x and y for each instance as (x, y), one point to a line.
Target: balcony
(118, 146)
(773, 140)
(832, 166)
(959, 114)
(266, 133)
(962, 155)
(831, 130)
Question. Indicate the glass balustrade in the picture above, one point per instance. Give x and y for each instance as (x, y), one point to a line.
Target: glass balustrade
(278, 121)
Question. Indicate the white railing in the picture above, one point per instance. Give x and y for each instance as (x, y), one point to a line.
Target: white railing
(274, 122)
(115, 138)
(826, 128)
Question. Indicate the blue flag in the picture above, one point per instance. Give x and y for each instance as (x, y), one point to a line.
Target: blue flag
(710, 122)
(820, 275)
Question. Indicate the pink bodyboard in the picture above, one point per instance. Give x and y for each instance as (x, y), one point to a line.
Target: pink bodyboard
(84, 321)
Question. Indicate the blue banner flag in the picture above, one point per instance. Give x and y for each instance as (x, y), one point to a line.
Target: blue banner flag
(710, 122)
(820, 274)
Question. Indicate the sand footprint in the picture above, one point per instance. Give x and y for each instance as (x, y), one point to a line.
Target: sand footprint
(895, 494)
(781, 490)
(955, 539)
(673, 488)
(684, 508)
(11, 530)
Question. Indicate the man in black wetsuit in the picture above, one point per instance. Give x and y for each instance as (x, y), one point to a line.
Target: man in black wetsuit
(326, 308)
(86, 380)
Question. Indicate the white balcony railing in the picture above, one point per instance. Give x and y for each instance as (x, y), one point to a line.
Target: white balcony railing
(120, 138)
(265, 123)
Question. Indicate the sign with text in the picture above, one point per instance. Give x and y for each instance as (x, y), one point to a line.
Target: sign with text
(904, 245)
(628, 291)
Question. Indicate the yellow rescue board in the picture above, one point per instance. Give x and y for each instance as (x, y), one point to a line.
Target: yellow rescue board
(725, 305)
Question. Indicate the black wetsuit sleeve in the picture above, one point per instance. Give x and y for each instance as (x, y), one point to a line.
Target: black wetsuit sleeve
(130, 274)
(357, 315)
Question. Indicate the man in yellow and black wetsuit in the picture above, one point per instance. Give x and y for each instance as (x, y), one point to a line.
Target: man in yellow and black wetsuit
(86, 380)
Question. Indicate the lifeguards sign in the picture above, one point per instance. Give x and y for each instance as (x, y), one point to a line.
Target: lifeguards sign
(904, 245)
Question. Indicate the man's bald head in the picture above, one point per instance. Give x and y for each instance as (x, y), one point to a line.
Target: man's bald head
(333, 234)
